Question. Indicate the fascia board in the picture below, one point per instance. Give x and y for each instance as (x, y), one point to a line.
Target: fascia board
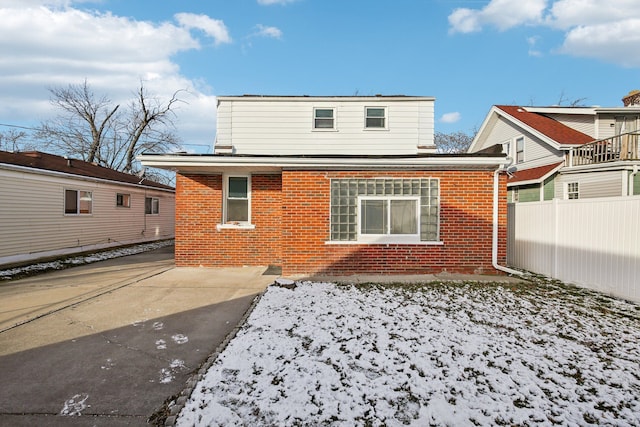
(178, 162)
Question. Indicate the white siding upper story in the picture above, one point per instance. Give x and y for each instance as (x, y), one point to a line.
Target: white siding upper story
(272, 125)
(35, 225)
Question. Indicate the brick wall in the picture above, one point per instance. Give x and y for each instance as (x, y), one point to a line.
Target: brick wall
(199, 211)
(466, 202)
(291, 215)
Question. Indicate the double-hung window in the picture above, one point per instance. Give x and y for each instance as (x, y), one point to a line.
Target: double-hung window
(324, 118)
(78, 202)
(375, 118)
(237, 207)
(385, 210)
(151, 206)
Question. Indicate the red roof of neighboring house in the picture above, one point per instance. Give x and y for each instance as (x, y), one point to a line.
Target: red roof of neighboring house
(50, 162)
(553, 129)
(533, 174)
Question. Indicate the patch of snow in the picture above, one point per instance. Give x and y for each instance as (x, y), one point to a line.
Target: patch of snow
(167, 375)
(436, 354)
(161, 344)
(157, 326)
(10, 273)
(74, 406)
(180, 339)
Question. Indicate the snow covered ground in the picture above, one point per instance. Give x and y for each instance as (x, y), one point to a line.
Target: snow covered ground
(60, 264)
(438, 354)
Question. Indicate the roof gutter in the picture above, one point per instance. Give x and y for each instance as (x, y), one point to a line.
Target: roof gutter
(494, 242)
(176, 162)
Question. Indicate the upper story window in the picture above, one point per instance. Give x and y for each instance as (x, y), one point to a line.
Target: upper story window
(78, 202)
(123, 200)
(520, 149)
(151, 206)
(324, 118)
(375, 118)
(237, 207)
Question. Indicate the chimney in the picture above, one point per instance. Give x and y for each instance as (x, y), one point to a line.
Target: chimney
(632, 99)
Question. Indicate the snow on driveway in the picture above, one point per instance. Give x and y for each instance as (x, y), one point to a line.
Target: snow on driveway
(439, 354)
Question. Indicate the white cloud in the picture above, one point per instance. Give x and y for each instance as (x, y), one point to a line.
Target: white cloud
(211, 27)
(43, 48)
(613, 42)
(565, 14)
(264, 31)
(503, 14)
(592, 29)
(450, 117)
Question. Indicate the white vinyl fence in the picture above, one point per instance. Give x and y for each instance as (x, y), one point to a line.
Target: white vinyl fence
(593, 243)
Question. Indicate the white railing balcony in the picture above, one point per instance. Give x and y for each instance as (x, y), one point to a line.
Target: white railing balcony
(613, 149)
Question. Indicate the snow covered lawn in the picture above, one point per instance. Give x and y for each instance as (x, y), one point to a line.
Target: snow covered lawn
(436, 354)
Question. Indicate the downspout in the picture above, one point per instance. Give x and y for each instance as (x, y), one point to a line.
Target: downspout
(494, 246)
(633, 173)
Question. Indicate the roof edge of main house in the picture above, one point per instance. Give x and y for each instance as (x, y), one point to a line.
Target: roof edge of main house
(211, 163)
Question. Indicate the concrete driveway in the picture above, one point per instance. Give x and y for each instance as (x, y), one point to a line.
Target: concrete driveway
(108, 343)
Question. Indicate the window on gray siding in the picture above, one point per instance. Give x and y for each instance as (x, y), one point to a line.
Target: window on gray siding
(520, 150)
(323, 118)
(123, 200)
(151, 206)
(390, 207)
(573, 190)
(78, 202)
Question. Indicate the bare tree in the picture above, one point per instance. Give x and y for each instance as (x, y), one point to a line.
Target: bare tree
(451, 143)
(96, 130)
(13, 140)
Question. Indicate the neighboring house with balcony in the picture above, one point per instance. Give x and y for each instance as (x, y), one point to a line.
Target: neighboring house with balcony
(52, 206)
(336, 185)
(566, 152)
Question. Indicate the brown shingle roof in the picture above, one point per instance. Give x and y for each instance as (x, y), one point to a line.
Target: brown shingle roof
(50, 162)
(553, 129)
(533, 174)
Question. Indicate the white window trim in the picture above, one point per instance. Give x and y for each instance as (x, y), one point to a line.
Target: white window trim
(335, 120)
(386, 118)
(567, 192)
(515, 143)
(77, 213)
(388, 238)
(225, 190)
(145, 205)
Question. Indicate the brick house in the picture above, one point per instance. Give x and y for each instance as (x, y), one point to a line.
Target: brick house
(336, 185)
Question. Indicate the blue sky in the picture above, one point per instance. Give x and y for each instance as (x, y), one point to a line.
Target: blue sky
(469, 54)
